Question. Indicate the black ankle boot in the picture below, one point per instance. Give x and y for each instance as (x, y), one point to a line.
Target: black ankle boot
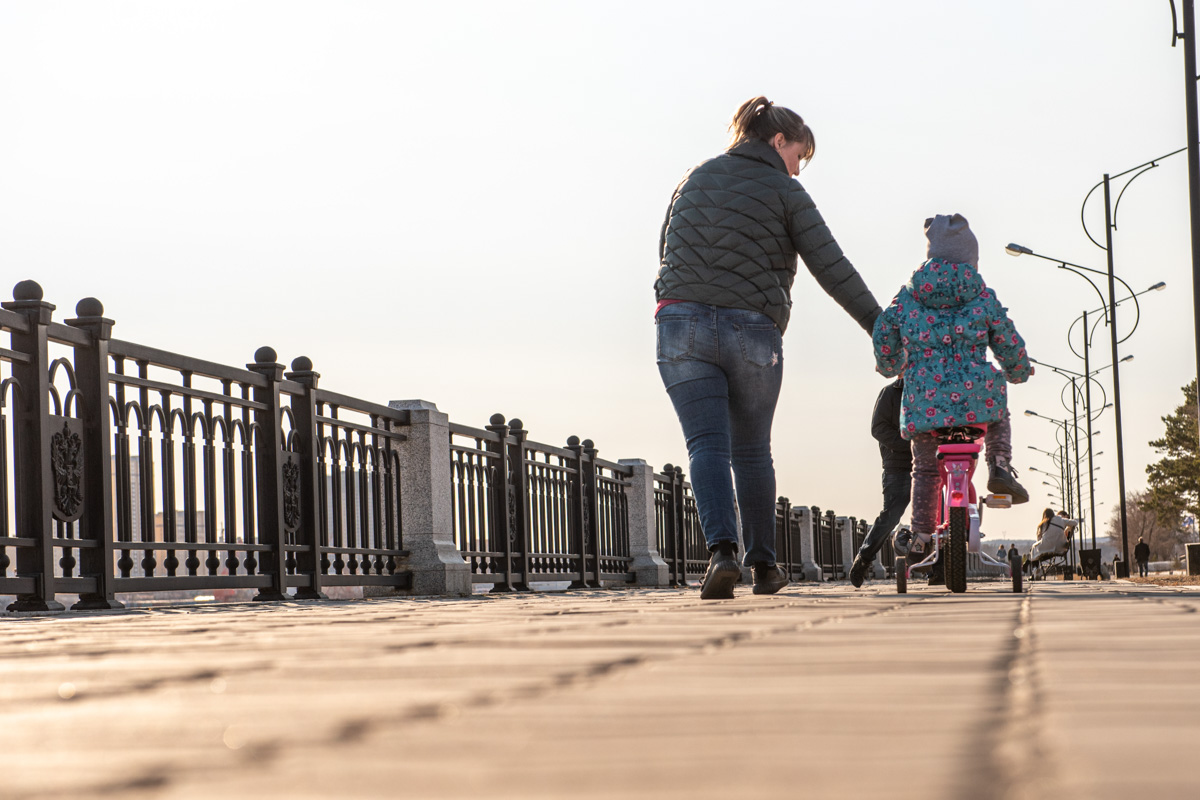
(723, 572)
(768, 578)
(858, 570)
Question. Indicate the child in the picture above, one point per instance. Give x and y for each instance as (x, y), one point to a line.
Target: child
(896, 453)
(936, 333)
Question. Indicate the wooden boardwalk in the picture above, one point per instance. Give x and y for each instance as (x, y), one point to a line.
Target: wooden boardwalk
(1072, 690)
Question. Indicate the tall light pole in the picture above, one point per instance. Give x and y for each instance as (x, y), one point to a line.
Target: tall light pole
(1066, 467)
(1087, 378)
(1193, 138)
(1110, 309)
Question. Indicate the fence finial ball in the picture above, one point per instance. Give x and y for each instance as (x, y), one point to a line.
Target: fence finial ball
(265, 355)
(573, 441)
(89, 307)
(516, 424)
(299, 363)
(588, 443)
(496, 419)
(27, 290)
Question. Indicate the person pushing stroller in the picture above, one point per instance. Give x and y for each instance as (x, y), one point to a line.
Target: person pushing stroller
(936, 333)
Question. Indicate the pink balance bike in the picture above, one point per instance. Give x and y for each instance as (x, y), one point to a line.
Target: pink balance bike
(957, 532)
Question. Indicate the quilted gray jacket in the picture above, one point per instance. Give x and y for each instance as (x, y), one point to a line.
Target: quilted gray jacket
(732, 233)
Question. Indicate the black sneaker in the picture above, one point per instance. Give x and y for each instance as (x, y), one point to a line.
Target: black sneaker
(1002, 479)
(858, 570)
(768, 578)
(937, 574)
(723, 572)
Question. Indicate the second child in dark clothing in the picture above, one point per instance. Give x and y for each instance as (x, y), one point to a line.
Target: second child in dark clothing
(896, 453)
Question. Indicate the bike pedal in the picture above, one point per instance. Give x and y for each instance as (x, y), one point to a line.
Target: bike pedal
(998, 501)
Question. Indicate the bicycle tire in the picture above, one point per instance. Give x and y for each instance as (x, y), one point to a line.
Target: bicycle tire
(1015, 567)
(901, 568)
(956, 551)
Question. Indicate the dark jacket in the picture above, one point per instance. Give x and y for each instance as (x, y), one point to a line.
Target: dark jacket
(732, 232)
(895, 450)
(1141, 552)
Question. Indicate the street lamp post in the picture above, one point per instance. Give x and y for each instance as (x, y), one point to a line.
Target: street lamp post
(1091, 417)
(1110, 309)
(1065, 466)
(1193, 140)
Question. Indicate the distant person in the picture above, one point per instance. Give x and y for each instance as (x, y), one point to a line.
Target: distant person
(727, 259)
(1013, 554)
(896, 453)
(936, 333)
(1001, 554)
(1141, 554)
(1054, 534)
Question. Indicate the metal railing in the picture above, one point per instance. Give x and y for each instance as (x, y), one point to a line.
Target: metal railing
(528, 512)
(135, 469)
(124, 468)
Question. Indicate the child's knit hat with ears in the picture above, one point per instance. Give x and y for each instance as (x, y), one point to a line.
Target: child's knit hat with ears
(950, 239)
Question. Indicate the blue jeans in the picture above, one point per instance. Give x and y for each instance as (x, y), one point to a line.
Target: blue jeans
(723, 368)
(897, 491)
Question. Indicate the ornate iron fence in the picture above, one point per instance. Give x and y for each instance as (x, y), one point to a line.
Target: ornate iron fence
(679, 535)
(527, 512)
(135, 469)
(788, 533)
(827, 544)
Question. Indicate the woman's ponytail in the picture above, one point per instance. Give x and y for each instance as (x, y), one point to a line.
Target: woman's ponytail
(759, 118)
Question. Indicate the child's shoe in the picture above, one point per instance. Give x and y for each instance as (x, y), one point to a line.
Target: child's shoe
(1002, 479)
(858, 570)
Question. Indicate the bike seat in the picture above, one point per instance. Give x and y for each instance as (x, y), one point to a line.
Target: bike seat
(962, 448)
(960, 434)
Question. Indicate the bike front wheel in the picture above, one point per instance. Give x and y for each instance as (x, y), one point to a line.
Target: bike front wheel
(956, 551)
(901, 575)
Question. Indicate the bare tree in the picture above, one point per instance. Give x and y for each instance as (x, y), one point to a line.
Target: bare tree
(1165, 536)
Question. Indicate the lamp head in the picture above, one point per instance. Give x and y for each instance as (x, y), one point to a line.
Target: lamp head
(1031, 413)
(1126, 358)
(1017, 250)
(1158, 287)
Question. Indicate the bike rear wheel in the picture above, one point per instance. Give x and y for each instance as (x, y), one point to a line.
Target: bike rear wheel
(1014, 566)
(901, 575)
(956, 551)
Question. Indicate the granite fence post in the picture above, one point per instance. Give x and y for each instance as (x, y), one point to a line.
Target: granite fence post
(426, 511)
(846, 530)
(648, 565)
(802, 519)
(878, 571)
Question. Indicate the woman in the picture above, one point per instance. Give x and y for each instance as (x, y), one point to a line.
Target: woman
(727, 263)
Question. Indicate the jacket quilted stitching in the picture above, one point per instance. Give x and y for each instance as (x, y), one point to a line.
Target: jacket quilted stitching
(732, 233)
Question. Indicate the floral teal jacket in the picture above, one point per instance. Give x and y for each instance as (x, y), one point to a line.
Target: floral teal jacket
(936, 333)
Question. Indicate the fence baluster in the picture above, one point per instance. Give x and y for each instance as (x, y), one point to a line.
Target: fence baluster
(520, 531)
(268, 468)
(96, 523)
(31, 449)
(591, 511)
(306, 445)
(501, 506)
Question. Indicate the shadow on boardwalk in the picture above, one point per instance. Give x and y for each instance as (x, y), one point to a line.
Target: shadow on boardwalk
(1073, 690)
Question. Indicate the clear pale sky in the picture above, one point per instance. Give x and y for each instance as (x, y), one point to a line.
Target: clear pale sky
(461, 201)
